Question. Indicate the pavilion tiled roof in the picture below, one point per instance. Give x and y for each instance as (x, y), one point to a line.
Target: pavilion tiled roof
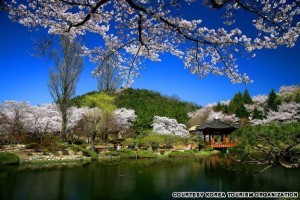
(216, 124)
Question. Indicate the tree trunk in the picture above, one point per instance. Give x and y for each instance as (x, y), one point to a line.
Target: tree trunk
(64, 125)
(92, 141)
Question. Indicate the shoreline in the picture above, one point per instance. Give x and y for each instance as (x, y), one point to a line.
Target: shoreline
(41, 160)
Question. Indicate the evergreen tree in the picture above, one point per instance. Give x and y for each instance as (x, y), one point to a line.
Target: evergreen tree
(257, 114)
(237, 107)
(218, 107)
(247, 98)
(273, 101)
(242, 112)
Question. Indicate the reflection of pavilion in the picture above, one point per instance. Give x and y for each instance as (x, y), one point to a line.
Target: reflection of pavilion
(218, 133)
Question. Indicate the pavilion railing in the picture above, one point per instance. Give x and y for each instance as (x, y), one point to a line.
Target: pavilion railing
(223, 144)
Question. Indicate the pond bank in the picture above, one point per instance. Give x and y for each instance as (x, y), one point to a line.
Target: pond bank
(70, 157)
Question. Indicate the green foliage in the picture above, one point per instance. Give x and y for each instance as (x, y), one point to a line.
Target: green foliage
(176, 153)
(124, 153)
(273, 101)
(101, 100)
(247, 98)
(274, 140)
(87, 152)
(8, 159)
(153, 140)
(129, 142)
(237, 107)
(294, 96)
(147, 104)
(208, 148)
(257, 114)
(146, 154)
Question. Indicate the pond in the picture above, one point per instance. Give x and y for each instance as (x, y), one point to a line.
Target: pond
(142, 179)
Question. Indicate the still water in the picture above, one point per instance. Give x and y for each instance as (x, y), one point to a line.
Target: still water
(140, 180)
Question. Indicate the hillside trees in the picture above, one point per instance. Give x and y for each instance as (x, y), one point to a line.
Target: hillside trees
(286, 108)
(64, 77)
(148, 104)
(134, 31)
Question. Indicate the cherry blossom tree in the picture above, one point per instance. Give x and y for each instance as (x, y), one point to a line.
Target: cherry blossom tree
(287, 112)
(12, 115)
(124, 118)
(167, 126)
(40, 120)
(135, 30)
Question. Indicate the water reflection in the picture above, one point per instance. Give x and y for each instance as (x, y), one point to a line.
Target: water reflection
(135, 181)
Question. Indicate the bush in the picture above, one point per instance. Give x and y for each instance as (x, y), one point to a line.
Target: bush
(127, 153)
(129, 142)
(146, 154)
(153, 140)
(86, 152)
(208, 148)
(123, 153)
(35, 146)
(8, 159)
(181, 153)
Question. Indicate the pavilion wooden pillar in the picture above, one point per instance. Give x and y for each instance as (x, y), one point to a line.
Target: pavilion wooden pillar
(226, 138)
(212, 139)
(204, 138)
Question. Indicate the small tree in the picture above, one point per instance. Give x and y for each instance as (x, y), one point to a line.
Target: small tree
(247, 98)
(12, 116)
(92, 120)
(257, 114)
(63, 79)
(273, 101)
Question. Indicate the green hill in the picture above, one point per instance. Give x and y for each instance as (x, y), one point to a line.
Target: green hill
(146, 104)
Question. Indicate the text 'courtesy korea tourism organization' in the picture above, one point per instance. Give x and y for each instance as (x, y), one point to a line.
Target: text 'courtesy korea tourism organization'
(234, 195)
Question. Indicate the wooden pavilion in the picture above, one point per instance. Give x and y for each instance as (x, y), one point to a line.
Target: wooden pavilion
(218, 133)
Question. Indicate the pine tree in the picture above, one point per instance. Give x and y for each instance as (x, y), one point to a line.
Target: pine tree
(247, 98)
(273, 101)
(257, 114)
(237, 107)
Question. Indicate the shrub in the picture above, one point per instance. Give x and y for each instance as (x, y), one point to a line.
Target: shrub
(127, 153)
(123, 153)
(8, 159)
(208, 148)
(146, 154)
(129, 142)
(181, 153)
(86, 152)
(153, 140)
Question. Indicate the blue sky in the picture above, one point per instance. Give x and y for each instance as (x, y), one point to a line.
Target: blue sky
(24, 77)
